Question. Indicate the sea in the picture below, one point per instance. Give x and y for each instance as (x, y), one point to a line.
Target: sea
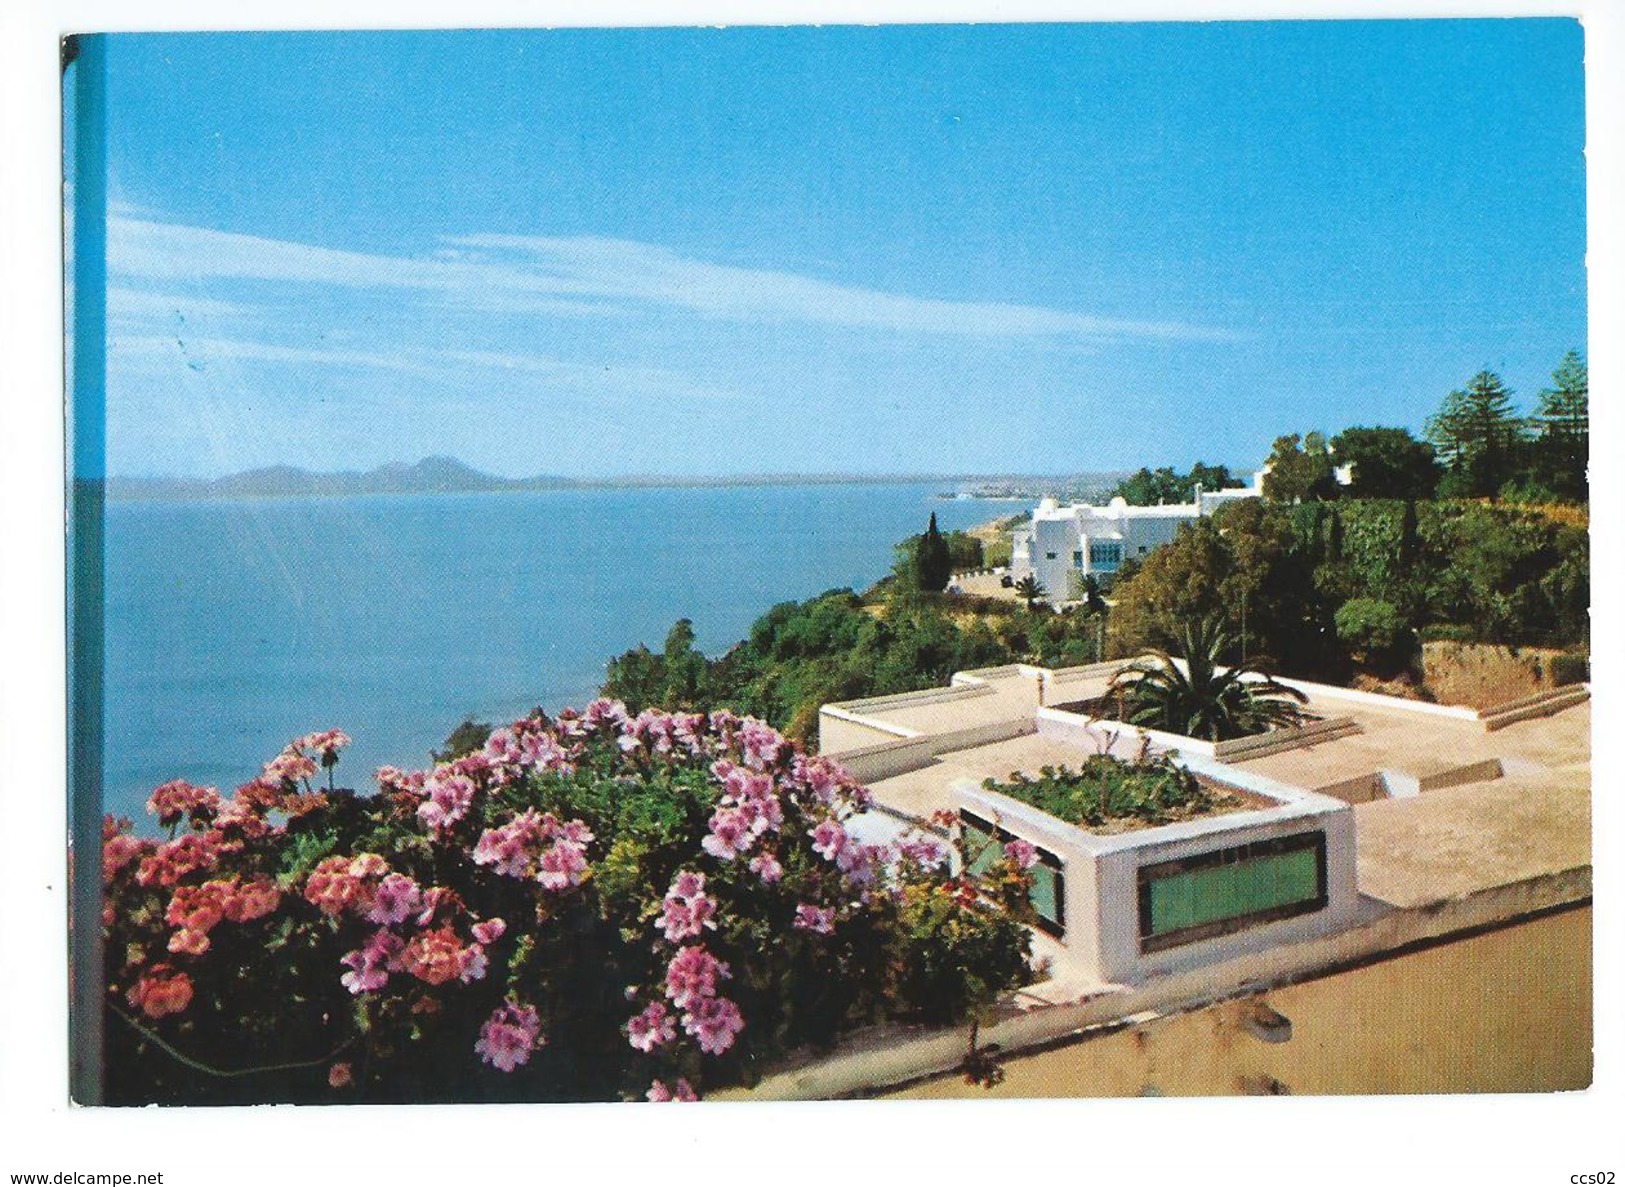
(235, 625)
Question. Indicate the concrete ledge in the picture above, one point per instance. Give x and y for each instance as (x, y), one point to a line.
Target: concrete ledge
(1473, 772)
(906, 700)
(1539, 705)
(1277, 740)
(870, 764)
(983, 675)
(1050, 1015)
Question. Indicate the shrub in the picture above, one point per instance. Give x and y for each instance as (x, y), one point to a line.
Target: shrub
(1109, 790)
(1569, 668)
(1373, 629)
(598, 906)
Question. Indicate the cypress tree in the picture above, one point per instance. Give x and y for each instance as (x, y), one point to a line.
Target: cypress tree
(932, 564)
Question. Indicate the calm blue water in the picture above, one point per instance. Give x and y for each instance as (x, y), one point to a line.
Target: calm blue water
(233, 626)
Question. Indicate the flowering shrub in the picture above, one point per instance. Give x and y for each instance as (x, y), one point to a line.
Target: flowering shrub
(597, 906)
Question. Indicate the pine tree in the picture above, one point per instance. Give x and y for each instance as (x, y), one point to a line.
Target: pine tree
(1477, 435)
(1563, 420)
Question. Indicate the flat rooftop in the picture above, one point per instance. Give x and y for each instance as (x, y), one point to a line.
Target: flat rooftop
(1442, 844)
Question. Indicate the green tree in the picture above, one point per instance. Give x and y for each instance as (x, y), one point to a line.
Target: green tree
(1198, 699)
(1299, 473)
(1478, 437)
(1388, 463)
(1032, 589)
(1148, 488)
(932, 563)
(1563, 421)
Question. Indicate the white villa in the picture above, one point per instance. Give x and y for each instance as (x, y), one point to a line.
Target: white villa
(1063, 545)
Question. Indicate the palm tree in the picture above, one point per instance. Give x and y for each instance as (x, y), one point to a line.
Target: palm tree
(1199, 700)
(1031, 588)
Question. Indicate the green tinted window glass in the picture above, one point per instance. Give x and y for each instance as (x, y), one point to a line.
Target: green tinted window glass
(980, 852)
(1046, 893)
(1201, 896)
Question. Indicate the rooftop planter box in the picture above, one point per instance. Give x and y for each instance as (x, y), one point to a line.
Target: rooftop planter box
(1274, 866)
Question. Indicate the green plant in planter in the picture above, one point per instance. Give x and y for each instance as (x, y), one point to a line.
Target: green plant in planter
(1200, 700)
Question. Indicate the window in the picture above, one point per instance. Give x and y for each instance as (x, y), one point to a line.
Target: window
(1049, 556)
(1227, 890)
(1105, 554)
(1048, 893)
(1077, 559)
(1142, 550)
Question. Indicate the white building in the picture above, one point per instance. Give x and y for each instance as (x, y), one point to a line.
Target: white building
(1063, 545)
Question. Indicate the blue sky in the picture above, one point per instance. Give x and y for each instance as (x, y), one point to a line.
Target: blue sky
(1041, 249)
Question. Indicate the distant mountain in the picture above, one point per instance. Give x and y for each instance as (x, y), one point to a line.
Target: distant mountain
(447, 475)
(432, 475)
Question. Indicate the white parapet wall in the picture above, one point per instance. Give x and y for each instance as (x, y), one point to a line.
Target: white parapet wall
(1107, 880)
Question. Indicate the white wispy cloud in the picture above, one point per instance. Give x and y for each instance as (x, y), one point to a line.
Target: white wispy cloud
(163, 352)
(590, 276)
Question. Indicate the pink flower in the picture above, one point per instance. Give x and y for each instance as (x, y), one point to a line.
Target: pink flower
(863, 863)
(654, 1027)
(730, 834)
(603, 712)
(474, 964)
(396, 898)
(509, 1035)
(290, 767)
(923, 851)
(660, 1094)
(489, 931)
(829, 838)
(179, 798)
(562, 866)
(692, 975)
(542, 751)
(254, 899)
(160, 991)
(714, 1022)
(450, 797)
(435, 957)
(119, 851)
(818, 919)
(1020, 854)
(339, 1076)
(818, 775)
(327, 743)
(369, 964)
(760, 744)
(687, 909)
(334, 887)
(173, 860)
(766, 867)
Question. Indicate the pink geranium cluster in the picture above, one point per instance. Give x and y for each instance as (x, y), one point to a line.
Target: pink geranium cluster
(173, 860)
(161, 990)
(509, 1035)
(341, 884)
(691, 984)
(448, 795)
(687, 909)
(748, 809)
(1020, 854)
(178, 798)
(537, 845)
(681, 1091)
(653, 1027)
(193, 911)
